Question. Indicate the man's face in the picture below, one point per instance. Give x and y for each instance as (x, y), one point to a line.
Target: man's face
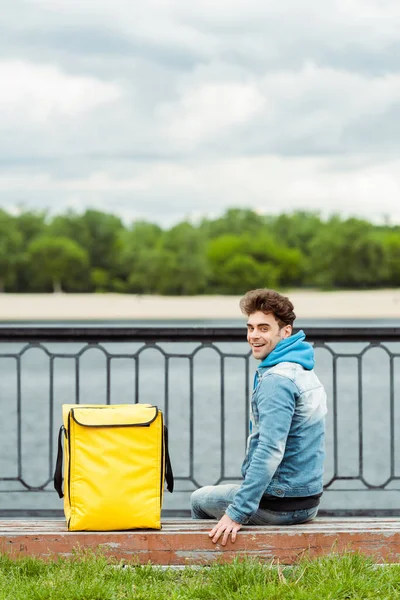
(263, 333)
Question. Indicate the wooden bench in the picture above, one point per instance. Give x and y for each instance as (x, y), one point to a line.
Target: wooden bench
(182, 542)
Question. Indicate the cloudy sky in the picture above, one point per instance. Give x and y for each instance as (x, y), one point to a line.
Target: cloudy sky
(172, 109)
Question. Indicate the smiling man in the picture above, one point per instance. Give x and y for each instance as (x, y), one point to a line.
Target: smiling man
(283, 468)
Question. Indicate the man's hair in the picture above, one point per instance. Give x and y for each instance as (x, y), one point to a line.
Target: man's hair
(268, 301)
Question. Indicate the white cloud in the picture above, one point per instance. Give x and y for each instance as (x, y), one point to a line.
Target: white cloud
(205, 112)
(169, 108)
(209, 25)
(305, 111)
(41, 92)
(167, 192)
(325, 102)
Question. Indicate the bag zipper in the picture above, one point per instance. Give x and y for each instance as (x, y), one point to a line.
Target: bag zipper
(146, 424)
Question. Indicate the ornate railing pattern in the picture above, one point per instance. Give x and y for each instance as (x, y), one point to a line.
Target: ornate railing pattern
(361, 429)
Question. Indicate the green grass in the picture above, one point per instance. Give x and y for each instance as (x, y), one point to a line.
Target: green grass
(86, 576)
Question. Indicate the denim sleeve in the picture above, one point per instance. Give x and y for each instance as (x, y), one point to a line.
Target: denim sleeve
(276, 398)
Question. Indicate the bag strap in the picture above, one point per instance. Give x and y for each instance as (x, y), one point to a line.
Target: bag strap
(169, 476)
(58, 480)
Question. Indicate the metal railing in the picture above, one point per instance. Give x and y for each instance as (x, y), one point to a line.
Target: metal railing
(201, 379)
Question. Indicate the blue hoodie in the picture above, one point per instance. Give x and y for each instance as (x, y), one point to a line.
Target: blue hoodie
(292, 349)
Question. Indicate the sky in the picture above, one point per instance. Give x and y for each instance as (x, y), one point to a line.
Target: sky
(165, 110)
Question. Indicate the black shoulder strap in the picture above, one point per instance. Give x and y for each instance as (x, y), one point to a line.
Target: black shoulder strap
(58, 480)
(169, 476)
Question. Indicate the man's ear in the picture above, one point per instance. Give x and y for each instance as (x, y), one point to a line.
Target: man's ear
(287, 331)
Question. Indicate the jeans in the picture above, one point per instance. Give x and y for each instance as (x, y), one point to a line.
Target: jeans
(211, 501)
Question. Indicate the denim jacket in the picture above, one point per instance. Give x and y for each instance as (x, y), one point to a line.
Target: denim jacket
(286, 445)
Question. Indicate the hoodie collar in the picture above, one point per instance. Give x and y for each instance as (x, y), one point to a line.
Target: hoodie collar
(292, 349)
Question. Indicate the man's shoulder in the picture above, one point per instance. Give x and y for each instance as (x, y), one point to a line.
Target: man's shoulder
(286, 369)
(302, 378)
(282, 374)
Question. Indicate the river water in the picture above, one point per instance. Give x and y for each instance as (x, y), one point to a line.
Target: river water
(208, 463)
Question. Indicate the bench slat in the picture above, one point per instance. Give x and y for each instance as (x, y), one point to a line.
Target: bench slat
(183, 542)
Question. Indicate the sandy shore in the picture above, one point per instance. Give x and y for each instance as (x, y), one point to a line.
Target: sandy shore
(375, 304)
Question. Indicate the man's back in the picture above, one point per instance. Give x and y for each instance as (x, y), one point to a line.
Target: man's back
(301, 468)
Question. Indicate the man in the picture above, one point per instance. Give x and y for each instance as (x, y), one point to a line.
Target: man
(283, 468)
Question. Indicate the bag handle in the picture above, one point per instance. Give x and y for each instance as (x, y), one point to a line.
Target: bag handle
(169, 476)
(58, 479)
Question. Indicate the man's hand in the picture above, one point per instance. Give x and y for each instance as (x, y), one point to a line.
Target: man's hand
(225, 526)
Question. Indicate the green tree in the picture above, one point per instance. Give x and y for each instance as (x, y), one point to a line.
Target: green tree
(241, 273)
(141, 257)
(288, 264)
(98, 233)
(348, 254)
(30, 225)
(184, 254)
(221, 250)
(296, 230)
(240, 249)
(235, 221)
(58, 261)
(10, 249)
(269, 263)
(391, 243)
(165, 262)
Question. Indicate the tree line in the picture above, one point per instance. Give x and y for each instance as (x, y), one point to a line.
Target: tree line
(97, 252)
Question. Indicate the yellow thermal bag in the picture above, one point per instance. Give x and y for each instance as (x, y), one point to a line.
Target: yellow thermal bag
(115, 461)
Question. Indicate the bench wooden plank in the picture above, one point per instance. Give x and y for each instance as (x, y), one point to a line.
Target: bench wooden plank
(186, 542)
